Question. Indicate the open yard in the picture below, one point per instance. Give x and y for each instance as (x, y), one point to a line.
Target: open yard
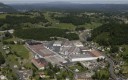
(21, 51)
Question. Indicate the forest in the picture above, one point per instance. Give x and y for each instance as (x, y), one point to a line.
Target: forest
(2, 60)
(111, 34)
(75, 20)
(45, 34)
(15, 21)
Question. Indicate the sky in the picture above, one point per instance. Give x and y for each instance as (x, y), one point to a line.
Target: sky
(74, 1)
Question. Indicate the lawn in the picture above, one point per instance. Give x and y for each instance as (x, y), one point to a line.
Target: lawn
(21, 51)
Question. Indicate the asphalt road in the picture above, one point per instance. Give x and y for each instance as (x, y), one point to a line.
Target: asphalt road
(111, 68)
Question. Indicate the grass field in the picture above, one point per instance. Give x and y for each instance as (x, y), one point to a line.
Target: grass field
(103, 72)
(60, 25)
(70, 26)
(12, 59)
(2, 16)
(92, 25)
(125, 69)
(12, 39)
(21, 51)
(64, 26)
(47, 16)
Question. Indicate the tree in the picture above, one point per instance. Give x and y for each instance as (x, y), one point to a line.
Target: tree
(2, 59)
(114, 49)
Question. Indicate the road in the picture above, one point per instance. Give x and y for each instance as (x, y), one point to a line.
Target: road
(110, 61)
(111, 68)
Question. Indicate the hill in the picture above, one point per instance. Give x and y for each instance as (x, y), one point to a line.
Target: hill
(6, 8)
(111, 34)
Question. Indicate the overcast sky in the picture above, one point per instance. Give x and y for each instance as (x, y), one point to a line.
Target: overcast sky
(75, 1)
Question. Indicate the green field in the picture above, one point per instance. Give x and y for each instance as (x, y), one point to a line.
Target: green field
(2, 16)
(64, 26)
(125, 69)
(12, 59)
(126, 49)
(12, 39)
(91, 25)
(56, 23)
(21, 51)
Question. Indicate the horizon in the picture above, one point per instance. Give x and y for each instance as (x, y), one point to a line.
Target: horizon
(68, 1)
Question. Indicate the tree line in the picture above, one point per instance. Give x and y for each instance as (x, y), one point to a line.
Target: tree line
(15, 21)
(45, 34)
(74, 19)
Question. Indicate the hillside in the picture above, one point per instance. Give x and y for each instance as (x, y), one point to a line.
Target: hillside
(111, 34)
(6, 8)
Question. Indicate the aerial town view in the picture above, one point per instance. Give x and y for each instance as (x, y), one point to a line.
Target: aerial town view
(63, 40)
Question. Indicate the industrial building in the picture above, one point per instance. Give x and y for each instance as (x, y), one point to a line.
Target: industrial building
(57, 43)
(57, 51)
(69, 50)
(78, 44)
(87, 56)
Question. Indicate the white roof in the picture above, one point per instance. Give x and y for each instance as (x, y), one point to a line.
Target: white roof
(77, 43)
(58, 42)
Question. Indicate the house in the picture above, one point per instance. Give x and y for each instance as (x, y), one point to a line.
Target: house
(40, 63)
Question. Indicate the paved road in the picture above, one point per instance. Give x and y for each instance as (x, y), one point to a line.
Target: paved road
(111, 68)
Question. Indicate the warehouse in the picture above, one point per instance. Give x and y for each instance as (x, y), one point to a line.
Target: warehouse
(92, 55)
(57, 43)
(78, 44)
